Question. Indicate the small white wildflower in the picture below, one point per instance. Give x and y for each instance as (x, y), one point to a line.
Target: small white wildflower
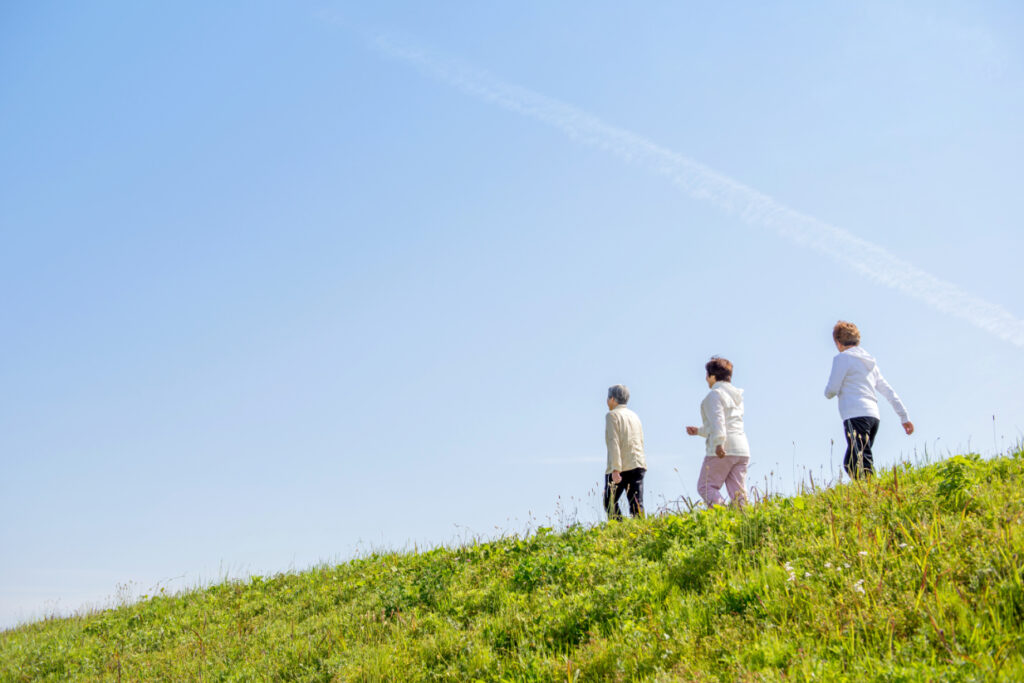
(863, 553)
(807, 575)
(903, 545)
(828, 565)
(859, 586)
(791, 579)
(846, 564)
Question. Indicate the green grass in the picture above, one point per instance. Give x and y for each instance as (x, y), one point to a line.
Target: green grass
(916, 575)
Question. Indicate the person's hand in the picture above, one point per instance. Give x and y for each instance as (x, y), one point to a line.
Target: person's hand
(616, 477)
(720, 451)
(908, 427)
(692, 431)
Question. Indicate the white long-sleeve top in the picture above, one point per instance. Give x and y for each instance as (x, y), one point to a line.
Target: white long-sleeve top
(624, 436)
(855, 378)
(721, 414)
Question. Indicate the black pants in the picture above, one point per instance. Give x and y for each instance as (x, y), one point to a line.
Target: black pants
(632, 485)
(860, 436)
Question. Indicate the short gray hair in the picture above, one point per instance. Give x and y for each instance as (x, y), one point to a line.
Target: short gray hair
(620, 393)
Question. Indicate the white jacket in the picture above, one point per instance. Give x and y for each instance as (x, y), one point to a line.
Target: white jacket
(721, 412)
(855, 378)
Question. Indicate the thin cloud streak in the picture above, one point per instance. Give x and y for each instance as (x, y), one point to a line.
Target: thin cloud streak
(588, 459)
(569, 460)
(700, 182)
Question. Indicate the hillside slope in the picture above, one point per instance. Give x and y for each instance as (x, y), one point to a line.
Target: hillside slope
(917, 575)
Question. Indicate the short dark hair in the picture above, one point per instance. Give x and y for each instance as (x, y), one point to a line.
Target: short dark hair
(846, 333)
(620, 393)
(719, 368)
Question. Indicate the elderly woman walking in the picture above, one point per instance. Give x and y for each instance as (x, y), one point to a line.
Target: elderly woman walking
(728, 453)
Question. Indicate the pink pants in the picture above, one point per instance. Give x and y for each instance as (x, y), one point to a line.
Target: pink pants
(731, 471)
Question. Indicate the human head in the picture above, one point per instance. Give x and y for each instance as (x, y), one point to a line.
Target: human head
(719, 368)
(846, 334)
(619, 393)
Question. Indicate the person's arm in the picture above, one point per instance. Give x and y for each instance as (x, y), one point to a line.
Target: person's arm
(702, 430)
(835, 378)
(698, 431)
(716, 419)
(611, 438)
(886, 390)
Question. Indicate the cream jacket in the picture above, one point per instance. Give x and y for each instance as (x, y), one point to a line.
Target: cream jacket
(625, 438)
(721, 412)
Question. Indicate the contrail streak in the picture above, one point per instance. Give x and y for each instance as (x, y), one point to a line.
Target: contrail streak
(699, 181)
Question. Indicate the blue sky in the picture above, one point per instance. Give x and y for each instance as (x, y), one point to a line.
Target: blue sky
(275, 295)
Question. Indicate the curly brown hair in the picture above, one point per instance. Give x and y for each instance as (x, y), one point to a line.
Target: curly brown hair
(719, 368)
(846, 333)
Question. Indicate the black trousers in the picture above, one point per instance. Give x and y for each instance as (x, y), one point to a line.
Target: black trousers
(860, 437)
(632, 485)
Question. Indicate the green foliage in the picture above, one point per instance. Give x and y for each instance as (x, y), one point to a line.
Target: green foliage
(915, 575)
(955, 478)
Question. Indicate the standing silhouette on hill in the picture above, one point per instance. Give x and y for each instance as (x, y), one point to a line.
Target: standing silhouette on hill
(855, 378)
(624, 436)
(727, 453)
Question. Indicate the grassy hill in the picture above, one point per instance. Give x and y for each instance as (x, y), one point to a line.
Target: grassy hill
(916, 575)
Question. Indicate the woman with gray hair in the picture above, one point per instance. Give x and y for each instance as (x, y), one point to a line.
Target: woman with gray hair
(624, 436)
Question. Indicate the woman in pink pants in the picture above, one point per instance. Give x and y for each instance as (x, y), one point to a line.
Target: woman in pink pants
(728, 452)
